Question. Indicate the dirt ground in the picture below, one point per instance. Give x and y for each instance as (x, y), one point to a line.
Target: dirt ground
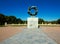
(6, 32)
(53, 32)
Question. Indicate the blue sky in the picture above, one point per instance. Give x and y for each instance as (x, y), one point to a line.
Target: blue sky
(47, 9)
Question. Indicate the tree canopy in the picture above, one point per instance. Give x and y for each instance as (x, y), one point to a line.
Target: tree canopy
(40, 21)
(58, 21)
(14, 20)
(2, 19)
(9, 19)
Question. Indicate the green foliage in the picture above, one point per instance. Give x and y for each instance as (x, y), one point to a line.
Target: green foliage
(18, 21)
(40, 21)
(9, 19)
(58, 21)
(53, 22)
(2, 19)
(14, 20)
(24, 21)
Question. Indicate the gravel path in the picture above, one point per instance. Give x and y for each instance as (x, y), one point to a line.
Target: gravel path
(29, 36)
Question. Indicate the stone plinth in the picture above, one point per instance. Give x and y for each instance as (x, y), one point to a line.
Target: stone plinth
(32, 22)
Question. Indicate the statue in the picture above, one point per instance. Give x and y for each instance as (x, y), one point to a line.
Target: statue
(32, 21)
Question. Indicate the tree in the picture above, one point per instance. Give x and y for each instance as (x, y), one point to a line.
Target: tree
(2, 19)
(19, 21)
(53, 22)
(11, 19)
(40, 21)
(58, 21)
(24, 21)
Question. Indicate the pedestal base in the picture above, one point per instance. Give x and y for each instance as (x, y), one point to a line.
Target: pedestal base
(32, 22)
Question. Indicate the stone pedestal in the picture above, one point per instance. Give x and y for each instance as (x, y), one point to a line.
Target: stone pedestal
(5, 23)
(32, 22)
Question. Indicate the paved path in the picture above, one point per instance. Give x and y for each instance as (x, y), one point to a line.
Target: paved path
(29, 36)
